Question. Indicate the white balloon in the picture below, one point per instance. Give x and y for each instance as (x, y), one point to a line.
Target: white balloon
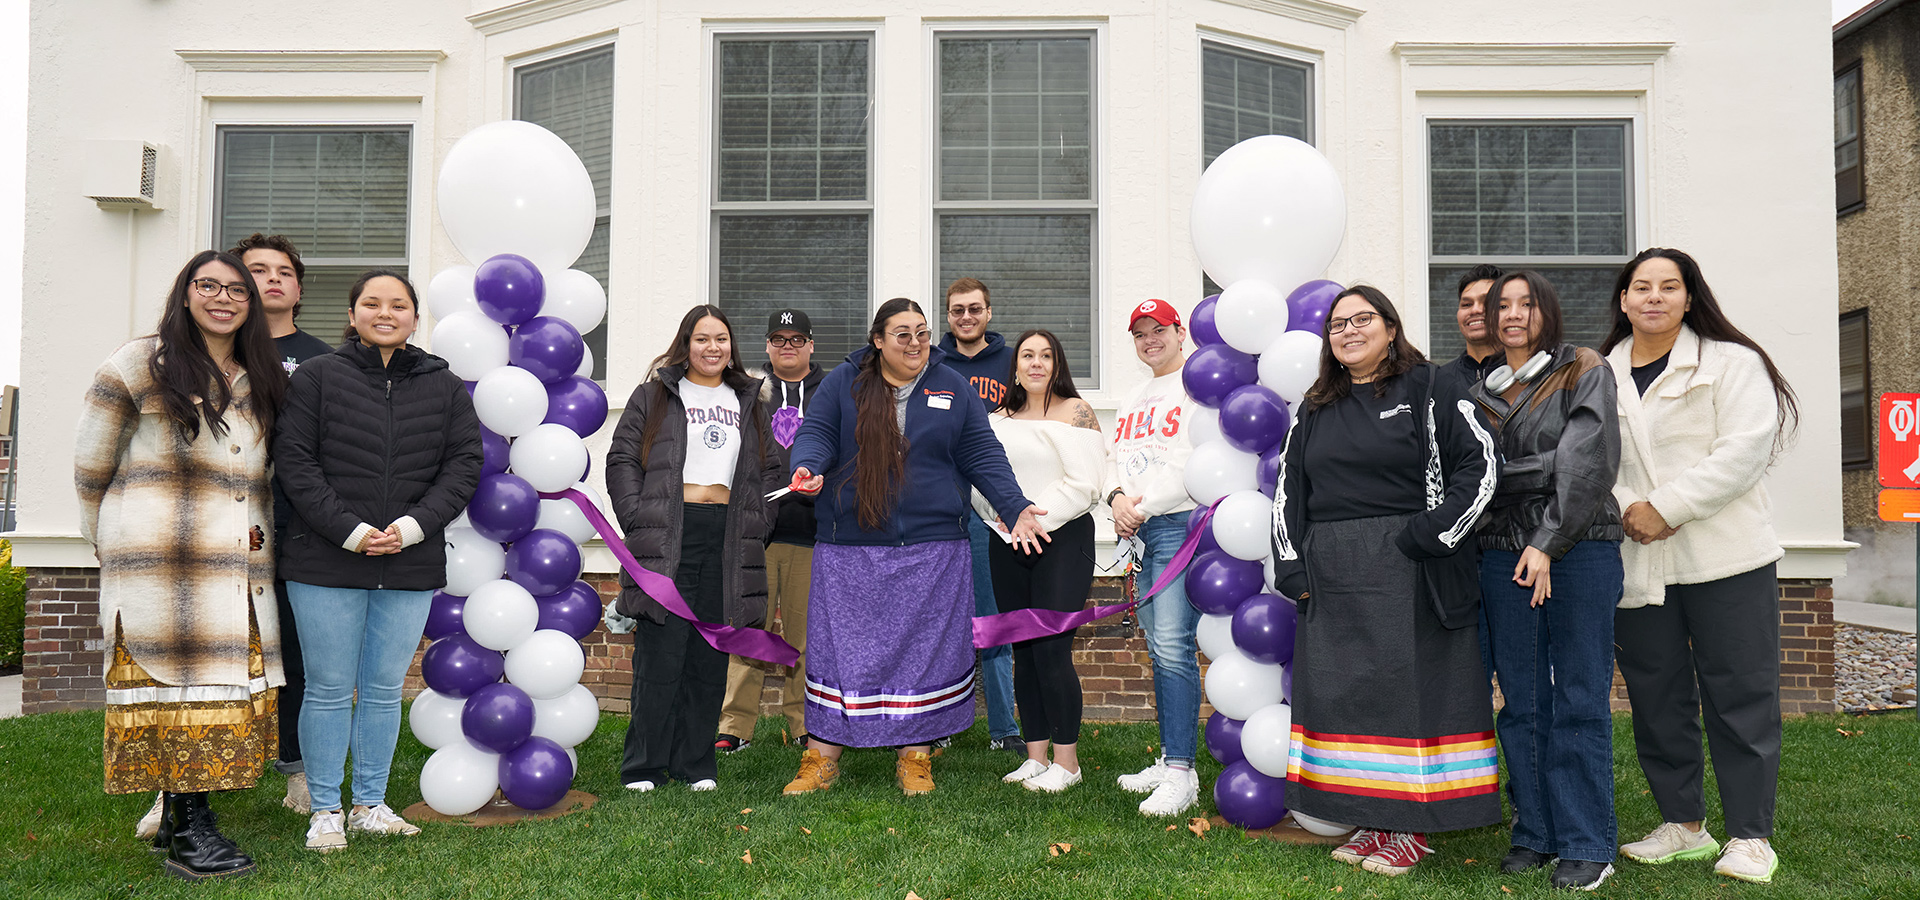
(546, 665)
(1250, 315)
(1289, 365)
(1270, 208)
(459, 778)
(577, 297)
(472, 344)
(1267, 573)
(573, 756)
(586, 363)
(459, 521)
(1203, 424)
(1217, 469)
(1266, 737)
(550, 457)
(510, 400)
(472, 561)
(1242, 524)
(1238, 687)
(567, 719)
(500, 615)
(435, 719)
(451, 291)
(1214, 634)
(563, 516)
(1321, 827)
(514, 187)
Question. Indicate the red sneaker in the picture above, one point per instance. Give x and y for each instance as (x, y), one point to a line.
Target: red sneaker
(1398, 854)
(1364, 843)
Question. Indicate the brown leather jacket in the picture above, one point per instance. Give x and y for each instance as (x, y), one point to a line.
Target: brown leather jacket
(1560, 440)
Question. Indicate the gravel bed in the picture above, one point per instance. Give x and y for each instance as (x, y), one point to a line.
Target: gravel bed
(1872, 669)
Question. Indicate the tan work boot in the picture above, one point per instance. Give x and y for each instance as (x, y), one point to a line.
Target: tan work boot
(914, 773)
(817, 773)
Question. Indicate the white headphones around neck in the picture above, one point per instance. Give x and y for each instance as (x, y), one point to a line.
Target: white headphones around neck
(1499, 380)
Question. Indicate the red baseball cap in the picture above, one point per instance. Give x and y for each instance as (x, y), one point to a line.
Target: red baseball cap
(1158, 310)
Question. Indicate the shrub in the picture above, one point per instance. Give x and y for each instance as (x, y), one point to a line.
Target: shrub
(13, 607)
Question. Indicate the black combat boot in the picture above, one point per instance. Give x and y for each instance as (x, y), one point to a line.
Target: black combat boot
(199, 850)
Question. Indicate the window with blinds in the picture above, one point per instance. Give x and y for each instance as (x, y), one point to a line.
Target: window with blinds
(1857, 411)
(1245, 94)
(338, 193)
(1849, 178)
(1554, 196)
(1015, 199)
(572, 96)
(792, 205)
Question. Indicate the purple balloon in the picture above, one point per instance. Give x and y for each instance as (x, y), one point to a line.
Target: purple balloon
(457, 666)
(1223, 739)
(548, 347)
(443, 616)
(575, 610)
(1214, 371)
(498, 717)
(504, 507)
(1263, 628)
(1254, 418)
(1268, 468)
(1218, 581)
(536, 774)
(509, 289)
(578, 403)
(469, 386)
(493, 448)
(1308, 305)
(1248, 798)
(1200, 323)
(546, 562)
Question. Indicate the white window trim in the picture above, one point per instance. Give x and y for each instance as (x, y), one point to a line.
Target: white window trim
(1316, 80)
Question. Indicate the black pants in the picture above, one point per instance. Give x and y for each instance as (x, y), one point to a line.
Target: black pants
(679, 682)
(1712, 652)
(290, 696)
(1046, 689)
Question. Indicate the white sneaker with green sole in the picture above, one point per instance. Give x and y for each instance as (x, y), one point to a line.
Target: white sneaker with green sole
(1672, 841)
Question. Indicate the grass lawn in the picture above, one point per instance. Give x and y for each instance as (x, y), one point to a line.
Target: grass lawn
(1849, 816)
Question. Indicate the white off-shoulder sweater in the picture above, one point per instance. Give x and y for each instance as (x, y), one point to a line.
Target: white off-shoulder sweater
(1059, 467)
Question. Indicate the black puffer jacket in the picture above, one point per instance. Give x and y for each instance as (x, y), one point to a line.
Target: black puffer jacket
(645, 489)
(362, 442)
(1560, 440)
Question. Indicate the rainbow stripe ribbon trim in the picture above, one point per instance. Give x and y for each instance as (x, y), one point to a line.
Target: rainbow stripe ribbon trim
(1419, 769)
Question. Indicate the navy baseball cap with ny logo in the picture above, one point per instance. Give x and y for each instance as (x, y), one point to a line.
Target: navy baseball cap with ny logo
(789, 320)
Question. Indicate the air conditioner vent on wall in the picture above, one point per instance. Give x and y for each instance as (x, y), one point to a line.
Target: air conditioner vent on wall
(122, 174)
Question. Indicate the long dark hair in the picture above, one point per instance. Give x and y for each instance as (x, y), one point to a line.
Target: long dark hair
(1546, 306)
(1335, 382)
(182, 369)
(1708, 321)
(360, 286)
(880, 460)
(679, 351)
(1059, 385)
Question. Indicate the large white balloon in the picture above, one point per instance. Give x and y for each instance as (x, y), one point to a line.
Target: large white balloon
(1217, 469)
(577, 297)
(459, 778)
(472, 561)
(1242, 523)
(1270, 209)
(586, 363)
(451, 291)
(1214, 634)
(565, 517)
(550, 457)
(514, 187)
(435, 719)
(510, 400)
(500, 615)
(1203, 424)
(1290, 364)
(546, 665)
(1238, 687)
(567, 719)
(1321, 827)
(1266, 737)
(1250, 315)
(472, 344)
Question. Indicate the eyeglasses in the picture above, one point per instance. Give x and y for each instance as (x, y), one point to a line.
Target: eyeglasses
(797, 341)
(959, 311)
(904, 338)
(1357, 320)
(207, 287)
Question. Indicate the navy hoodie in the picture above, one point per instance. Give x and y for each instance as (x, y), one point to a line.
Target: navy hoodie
(987, 370)
(950, 448)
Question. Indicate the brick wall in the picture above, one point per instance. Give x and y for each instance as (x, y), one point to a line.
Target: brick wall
(63, 657)
(1806, 646)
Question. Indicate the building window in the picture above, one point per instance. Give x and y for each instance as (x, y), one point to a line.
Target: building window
(792, 202)
(572, 96)
(1245, 94)
(1857, 410)
(1015, 196)
(1849, 178)
(338, 193)
(1552, 195)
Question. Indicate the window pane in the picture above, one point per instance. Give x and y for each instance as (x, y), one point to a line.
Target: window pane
(793, 120)
(1586, 305)
(1846, 106)
(1016, 118)
(1245, 94)
(1528, 189)
(817, 264)
(1040, 270)
(573, 98)
(333, 192)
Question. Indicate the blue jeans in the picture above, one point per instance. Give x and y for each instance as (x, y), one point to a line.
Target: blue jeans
(354, 640)
(1169, 621)
(1555, 665)
(996, 663)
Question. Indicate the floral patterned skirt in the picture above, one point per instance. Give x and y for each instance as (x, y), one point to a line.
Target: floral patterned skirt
(192, 738)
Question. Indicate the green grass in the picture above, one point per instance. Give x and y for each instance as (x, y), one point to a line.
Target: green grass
(1849, 813)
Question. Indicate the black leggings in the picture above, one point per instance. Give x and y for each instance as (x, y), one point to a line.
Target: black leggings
(1045, 686)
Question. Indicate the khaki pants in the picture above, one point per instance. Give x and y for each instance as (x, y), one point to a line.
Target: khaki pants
(789, 575)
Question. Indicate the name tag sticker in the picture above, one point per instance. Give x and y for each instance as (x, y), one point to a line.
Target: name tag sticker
(938, 402)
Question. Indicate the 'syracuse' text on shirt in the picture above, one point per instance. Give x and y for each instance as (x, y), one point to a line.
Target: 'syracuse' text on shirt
(713, 433)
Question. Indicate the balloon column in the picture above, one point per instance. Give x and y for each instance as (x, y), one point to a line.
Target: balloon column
(1268, 216)
(504, 706)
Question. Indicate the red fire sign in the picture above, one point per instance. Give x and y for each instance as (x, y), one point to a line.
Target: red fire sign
(1900, 440)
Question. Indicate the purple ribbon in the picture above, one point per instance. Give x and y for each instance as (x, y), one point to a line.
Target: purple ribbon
(752, 643)
(1028, 624)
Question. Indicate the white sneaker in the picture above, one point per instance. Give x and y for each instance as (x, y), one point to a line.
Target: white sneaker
(327, 831)
(1027, 770)
(1748, 859)
(1669, 842)
(641, 786)
(379, 820)
(1145, 780)
(1180, 790)
(149, 825)
(704, 784)
(1054, 780)
(297, 798)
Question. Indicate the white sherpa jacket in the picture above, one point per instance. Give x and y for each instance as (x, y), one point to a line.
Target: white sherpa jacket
(1696, 447)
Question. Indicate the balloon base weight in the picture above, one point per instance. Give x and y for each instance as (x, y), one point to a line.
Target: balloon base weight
(499, 812)
(1287, 832)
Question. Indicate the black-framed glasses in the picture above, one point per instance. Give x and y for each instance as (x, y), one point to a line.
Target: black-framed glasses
(209, 288)
(1357, 320)
(797, 341)
(903, 338)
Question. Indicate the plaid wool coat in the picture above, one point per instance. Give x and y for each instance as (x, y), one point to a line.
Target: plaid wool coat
(170, 522)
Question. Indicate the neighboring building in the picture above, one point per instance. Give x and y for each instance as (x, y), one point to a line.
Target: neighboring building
(1876, 148)
(753, 154)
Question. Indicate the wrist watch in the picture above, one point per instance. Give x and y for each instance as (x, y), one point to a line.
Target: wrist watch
(1112, 494)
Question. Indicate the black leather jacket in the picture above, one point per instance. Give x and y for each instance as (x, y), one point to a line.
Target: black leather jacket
(1560, 440)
